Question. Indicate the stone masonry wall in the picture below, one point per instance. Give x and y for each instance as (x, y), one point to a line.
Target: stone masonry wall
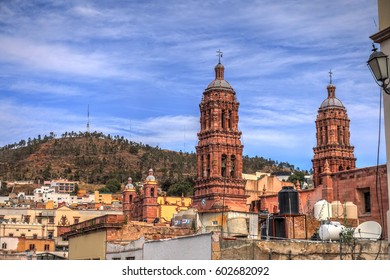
(134, 230)
(301, 250)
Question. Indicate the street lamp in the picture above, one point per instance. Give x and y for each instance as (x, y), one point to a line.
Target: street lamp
(378, 63)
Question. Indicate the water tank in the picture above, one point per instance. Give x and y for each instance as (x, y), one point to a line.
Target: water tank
(237, 227)
(288, 200)
(330, 231)
(351, 210)
(322, 210)
(337, 209)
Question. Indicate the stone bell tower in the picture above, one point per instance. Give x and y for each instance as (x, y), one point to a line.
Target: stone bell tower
(333, 146)
(219, 183)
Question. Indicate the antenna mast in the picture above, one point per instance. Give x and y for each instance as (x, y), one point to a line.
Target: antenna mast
(88, 120)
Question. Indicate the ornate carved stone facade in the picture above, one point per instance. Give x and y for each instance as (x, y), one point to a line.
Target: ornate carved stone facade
(219, 183)
(333, 137)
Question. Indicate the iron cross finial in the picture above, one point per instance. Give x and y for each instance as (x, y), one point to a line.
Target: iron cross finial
(219, 54)
(330, 76)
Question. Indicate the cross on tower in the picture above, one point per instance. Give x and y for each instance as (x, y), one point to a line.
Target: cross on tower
(330, 76)
(219, 54)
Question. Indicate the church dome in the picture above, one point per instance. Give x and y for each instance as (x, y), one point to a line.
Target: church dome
(219, 82)
(331, 102)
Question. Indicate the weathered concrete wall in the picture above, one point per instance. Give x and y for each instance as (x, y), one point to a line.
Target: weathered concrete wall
(302, 250)
(125, 250)
(195, 247)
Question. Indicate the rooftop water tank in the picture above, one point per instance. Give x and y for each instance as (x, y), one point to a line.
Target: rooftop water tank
(337, 209)
(331, 231)
(351, 210)
(288, 200)
(322, 210)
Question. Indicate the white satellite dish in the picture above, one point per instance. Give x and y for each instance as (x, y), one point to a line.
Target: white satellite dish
(368, 230)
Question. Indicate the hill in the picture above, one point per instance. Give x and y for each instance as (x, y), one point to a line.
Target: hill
(94, 158)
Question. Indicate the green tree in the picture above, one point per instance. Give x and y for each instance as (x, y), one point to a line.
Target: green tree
(297, 176)
(182, 187)
(113, 185)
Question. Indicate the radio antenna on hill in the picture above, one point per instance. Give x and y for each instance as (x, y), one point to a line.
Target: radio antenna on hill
(88, 120)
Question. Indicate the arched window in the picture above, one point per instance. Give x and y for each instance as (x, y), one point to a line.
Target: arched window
(223, 165)
(152, 192)
(340, 168)
(131, 199)
(233, 166)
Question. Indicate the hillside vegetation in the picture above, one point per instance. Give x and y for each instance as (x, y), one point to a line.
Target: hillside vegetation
(95, 158)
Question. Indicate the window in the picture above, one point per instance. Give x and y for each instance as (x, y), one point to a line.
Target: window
(27, 219)
(223, 165)
(367, 202)
(32, 247)
(11, 235)
(23, 235)
(130, 258)
(116, 258)
(76, 220)
(230, 119)
(51, 220)
(215, 223)
(233, 166)
(35, 236)
(4, 245)
(47, 247)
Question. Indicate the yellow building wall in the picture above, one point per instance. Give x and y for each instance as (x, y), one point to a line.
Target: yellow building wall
(103, 197)
(88, 246)
(18, 229)
(36, 228)
(170, 205)
(24, 244)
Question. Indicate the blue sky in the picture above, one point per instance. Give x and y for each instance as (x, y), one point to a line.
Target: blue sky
(142, 66)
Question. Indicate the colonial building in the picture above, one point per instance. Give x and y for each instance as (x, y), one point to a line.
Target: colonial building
(333, 137)
(219, 181)
(145, 204)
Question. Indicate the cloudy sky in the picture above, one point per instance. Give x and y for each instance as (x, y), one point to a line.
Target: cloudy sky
(142, 66)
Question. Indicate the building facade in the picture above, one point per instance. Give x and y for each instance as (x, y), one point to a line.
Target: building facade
(219, 151)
